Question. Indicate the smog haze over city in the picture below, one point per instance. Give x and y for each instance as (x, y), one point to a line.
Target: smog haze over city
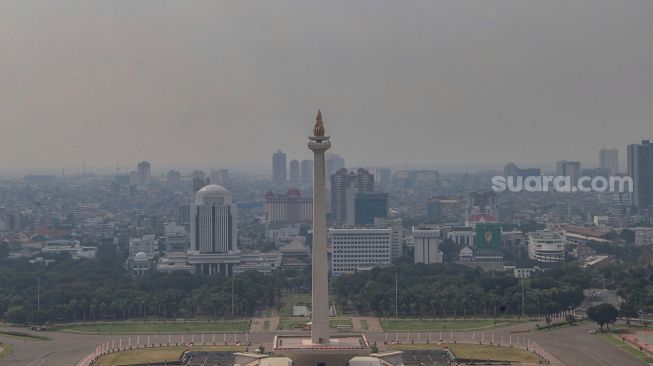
(450, 85)
(326, 183)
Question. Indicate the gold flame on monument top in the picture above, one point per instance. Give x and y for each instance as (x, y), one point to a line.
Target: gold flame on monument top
(318, 129)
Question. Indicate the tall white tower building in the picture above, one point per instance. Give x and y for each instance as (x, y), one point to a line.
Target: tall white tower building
(213, 232)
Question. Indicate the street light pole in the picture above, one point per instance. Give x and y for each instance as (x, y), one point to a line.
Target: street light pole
(232, 296)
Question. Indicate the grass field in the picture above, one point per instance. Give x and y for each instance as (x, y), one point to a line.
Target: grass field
(298, 323)
(5, 350)
(364, 324)
(288, 300)
(477, 352)
(21, 335)
(441, 325)
(151, 355)
(615, 340)
(157, 327)
(266, 325)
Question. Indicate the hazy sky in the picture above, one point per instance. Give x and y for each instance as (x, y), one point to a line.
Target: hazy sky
(435, 84)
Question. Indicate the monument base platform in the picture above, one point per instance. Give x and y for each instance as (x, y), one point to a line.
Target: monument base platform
(337, 352)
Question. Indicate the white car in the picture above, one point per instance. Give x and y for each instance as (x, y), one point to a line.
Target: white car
(593, 331)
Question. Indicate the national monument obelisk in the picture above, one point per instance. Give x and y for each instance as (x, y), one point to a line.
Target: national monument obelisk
(319, 143)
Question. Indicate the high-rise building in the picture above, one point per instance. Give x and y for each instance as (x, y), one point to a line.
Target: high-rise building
(482, 203)
(397, 226)
(569, 169)
(640, 169)
(369, 205)
(213, 230)
(427, 244)
(143, 171)
(434, 211)
(293, 171)
(512, 170)
(290, 208)
(609, 159)
(199, 183)
(341, 181)
(279, 167)
(383, 175)
(356, 248)
(306, 169)
(173, 177)
(334, 163)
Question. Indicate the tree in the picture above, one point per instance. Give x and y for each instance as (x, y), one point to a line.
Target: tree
(603, 314)
(628, 311)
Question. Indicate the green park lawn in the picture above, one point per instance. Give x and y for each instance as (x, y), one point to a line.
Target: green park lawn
(157, 355)
(158, 327)
(477, 352)
(5, 350)
(441, 325)
(625, 346)
(300, 322)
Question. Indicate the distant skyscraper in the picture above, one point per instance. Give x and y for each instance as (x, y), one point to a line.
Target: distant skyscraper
(609, 159)
(482, 203)
(199, 183)
(173, 177)
(569, 169)
(143, 171)
(383, 175)
(640, 169)
(341, 181)
(307, 171)
(334, 163)
(434, 211)
(213, 229)
(293, 171)
(279, 167)
(370, 205)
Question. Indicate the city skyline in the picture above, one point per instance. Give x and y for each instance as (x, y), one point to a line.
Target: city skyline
(450, 84)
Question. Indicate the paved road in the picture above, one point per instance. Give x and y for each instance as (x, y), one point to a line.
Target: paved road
(573, 346)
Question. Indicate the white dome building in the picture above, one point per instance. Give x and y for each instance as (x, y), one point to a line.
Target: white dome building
(213, 231)
(213, 193)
